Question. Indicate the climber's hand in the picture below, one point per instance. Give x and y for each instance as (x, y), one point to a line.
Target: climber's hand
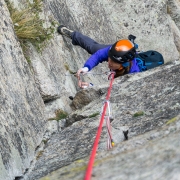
(83, 70)
(83, 85)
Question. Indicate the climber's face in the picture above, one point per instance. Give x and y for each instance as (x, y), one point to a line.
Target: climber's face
(113, 65)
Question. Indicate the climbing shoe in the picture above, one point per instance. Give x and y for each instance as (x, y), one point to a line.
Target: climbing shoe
(64, 31)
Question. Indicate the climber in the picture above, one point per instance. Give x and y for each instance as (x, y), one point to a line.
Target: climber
(120, 55)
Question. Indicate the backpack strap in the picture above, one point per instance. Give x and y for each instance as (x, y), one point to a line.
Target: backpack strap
(141, 64)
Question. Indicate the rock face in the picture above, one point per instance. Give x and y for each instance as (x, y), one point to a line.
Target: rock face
(22, 123)
(84, 97)
(151, 22)
(173, 9)
(153, 155)
(141, 103)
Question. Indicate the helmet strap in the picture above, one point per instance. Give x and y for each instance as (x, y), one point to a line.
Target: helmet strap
(126, 64)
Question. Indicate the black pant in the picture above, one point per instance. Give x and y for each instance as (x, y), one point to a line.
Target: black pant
(86, 43)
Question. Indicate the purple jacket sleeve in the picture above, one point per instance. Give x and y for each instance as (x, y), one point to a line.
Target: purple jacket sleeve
(98, 57)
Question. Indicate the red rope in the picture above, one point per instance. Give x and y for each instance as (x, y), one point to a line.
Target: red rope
(94, 149)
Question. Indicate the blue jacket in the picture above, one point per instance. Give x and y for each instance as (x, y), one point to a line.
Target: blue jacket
(102, 55)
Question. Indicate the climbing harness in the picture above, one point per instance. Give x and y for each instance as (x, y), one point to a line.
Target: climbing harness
(106, 105)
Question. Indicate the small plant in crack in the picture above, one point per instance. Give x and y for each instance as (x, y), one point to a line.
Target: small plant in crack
(93, 115)
(39, 154)
(60, 114)
(137, 114)
(29, 27)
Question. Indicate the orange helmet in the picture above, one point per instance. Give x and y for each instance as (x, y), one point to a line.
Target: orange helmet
(122, 51)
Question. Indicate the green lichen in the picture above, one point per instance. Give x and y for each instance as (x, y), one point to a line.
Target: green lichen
(80, 161)
(169, 10)
(45, 178)
(44, 141)
(137, 114)
(172, 120)
(68, 69)
(69, 172)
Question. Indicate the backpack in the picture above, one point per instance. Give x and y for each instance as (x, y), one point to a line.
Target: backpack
(149, 59)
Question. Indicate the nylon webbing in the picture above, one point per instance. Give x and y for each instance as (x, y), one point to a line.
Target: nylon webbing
(96, 141)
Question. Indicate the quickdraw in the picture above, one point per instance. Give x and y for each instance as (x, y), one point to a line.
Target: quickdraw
(110, 142)
(96, 141)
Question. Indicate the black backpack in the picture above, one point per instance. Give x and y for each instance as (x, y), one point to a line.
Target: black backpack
(150, 59)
